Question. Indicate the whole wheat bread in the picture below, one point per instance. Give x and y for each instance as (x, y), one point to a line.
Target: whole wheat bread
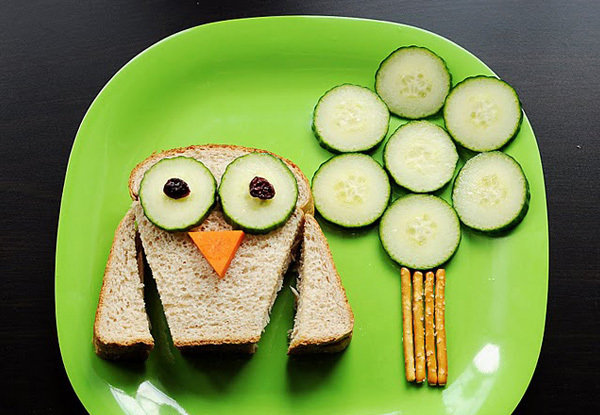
(121, 328)
(203, 311)
(324, 320)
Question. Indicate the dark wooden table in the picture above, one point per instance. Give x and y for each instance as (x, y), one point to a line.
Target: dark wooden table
(56, 55)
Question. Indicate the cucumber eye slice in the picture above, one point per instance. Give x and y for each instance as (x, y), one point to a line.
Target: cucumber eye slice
(350, 118)
(420, 156)
(413, 82)
(274, 188)
(177, 193)
(491, 193)
(483, 113)
(420, 231)
(351, 190)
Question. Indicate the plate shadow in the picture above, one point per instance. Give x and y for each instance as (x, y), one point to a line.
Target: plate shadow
(309, 372)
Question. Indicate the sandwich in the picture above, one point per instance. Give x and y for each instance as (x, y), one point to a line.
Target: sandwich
(208, 307)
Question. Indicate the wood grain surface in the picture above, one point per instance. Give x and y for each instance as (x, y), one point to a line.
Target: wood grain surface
(56, 55)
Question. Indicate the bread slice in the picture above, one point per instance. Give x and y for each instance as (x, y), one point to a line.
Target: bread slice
(203, 311)
(121, 328)
(216, 157)
(324, 320)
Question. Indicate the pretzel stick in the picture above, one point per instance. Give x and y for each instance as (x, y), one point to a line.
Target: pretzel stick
(418, 326)
(432, 377)
(440, 308)
(407, 328)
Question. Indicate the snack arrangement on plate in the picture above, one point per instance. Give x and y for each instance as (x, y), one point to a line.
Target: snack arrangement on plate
(421, 231)
(219, 225)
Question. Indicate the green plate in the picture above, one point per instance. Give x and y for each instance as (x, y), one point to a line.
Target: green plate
(254, 82)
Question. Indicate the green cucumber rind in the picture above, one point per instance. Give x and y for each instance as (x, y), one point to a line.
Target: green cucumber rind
(323, 142)
(509, 139)
(202, 217)
(328, 219)
(412, 266)
(382, 63)
(392, 174)
(513, 222)
(249, 229)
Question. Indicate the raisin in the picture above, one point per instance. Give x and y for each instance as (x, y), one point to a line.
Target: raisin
(176, 188)
(261, 188)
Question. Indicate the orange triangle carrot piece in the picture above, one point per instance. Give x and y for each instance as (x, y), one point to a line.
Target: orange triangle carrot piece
(218, 247)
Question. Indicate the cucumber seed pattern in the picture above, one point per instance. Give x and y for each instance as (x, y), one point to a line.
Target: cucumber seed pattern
(414, 85)
(421, 228)
(351, 190)
(484, 112)
(351, 116)
(489, 190)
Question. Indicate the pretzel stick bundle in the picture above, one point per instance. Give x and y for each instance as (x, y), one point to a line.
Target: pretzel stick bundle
(407, 327)
(440, 324)
(423, 326)
(418, 327)
(432, 375)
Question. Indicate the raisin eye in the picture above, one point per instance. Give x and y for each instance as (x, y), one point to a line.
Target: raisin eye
(176, 188)
(261, 188)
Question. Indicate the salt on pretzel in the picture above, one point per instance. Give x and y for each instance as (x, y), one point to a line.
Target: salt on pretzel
(440, 325)
(432, 376)
(418, 326)
(407, 326)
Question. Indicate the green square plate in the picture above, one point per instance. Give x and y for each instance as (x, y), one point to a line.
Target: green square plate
(254, 82)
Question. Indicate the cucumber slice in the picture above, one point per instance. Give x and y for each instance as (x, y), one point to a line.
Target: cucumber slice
(491, 192)
(250, 203)
(351, 190)
(420, 156)
(177, 193)
(350, 118)
(420, 231)
(483, 113)
(413, 82)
